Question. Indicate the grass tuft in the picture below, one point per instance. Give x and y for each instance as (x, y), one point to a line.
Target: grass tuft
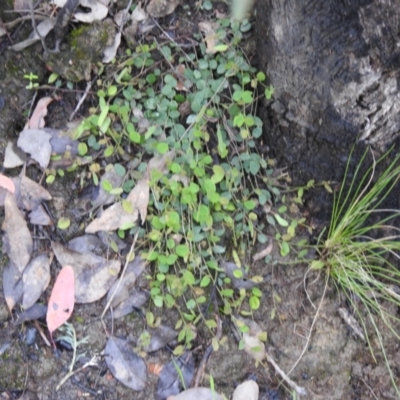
(362, 249)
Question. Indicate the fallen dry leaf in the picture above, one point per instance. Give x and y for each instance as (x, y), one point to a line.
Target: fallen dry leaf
(159, 338)
(208, 28)
(40, 111)
(14, 156)
(37, 311)
(265, 252)
(98, 11)
(17, 240)
(62, 300)
(253, 345)
(169, 381)
(138, 14)
(159, 163)
(87, 244)
(137, 298)
(116, 217)
(103, 197)
(39, 216)
(7, 183)
(35, 279)
(121, 291)
(94, 275)
(12, 286)
(43, 28)
(36, 142)
(124, 364)
(30, 194)
(110, 52)
(113, 218)
(161, 8)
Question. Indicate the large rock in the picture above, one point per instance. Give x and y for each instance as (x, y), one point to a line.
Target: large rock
(335, 69)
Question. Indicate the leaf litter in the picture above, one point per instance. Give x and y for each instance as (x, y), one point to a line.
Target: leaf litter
(35, 279)
(17, 240)
(62, 300)
(170, 380)
(124, 214)
(94, 275)
(128, 367)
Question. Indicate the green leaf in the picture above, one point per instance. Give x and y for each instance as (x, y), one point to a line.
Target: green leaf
(52, 78)
(50, 179)
(182, 250)
(285, 249)
(191, 304)
(261, 76)
(280, 220)
(205, 281)
(63, 223)
(109, 151)
(112, 90)
(217, 249)
(134, 136)
(247, 96)
(154, 235)
(254, 302)
(209, 186)
(162, 147)
(220, 48)
(269, 91)
(82, 148)
(218, 175)
(104, 111)
(119, 170)
(189, 278)
(317, 264)
(237, 273)
(175, 168)
(239, 120)
(107, 186)
(249, 204)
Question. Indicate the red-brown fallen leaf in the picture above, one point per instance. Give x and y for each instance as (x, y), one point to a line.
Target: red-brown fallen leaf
(37, 118)
(62, 299)
(7, 183)
(155, 368)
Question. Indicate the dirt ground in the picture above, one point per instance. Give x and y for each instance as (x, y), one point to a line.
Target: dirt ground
(334, 365)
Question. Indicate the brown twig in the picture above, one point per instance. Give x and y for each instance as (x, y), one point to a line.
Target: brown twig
(31, 7)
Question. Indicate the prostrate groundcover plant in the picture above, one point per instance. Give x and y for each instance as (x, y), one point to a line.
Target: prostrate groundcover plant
(361, 251)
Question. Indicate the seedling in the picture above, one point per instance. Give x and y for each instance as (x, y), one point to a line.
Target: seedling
(32, 78)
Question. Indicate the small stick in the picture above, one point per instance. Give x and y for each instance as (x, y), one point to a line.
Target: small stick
(121, 277)
(299, 390)
(35, 27)
(41, 333)
(81, 100)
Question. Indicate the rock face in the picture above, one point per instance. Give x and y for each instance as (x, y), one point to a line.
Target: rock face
(335, 68)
